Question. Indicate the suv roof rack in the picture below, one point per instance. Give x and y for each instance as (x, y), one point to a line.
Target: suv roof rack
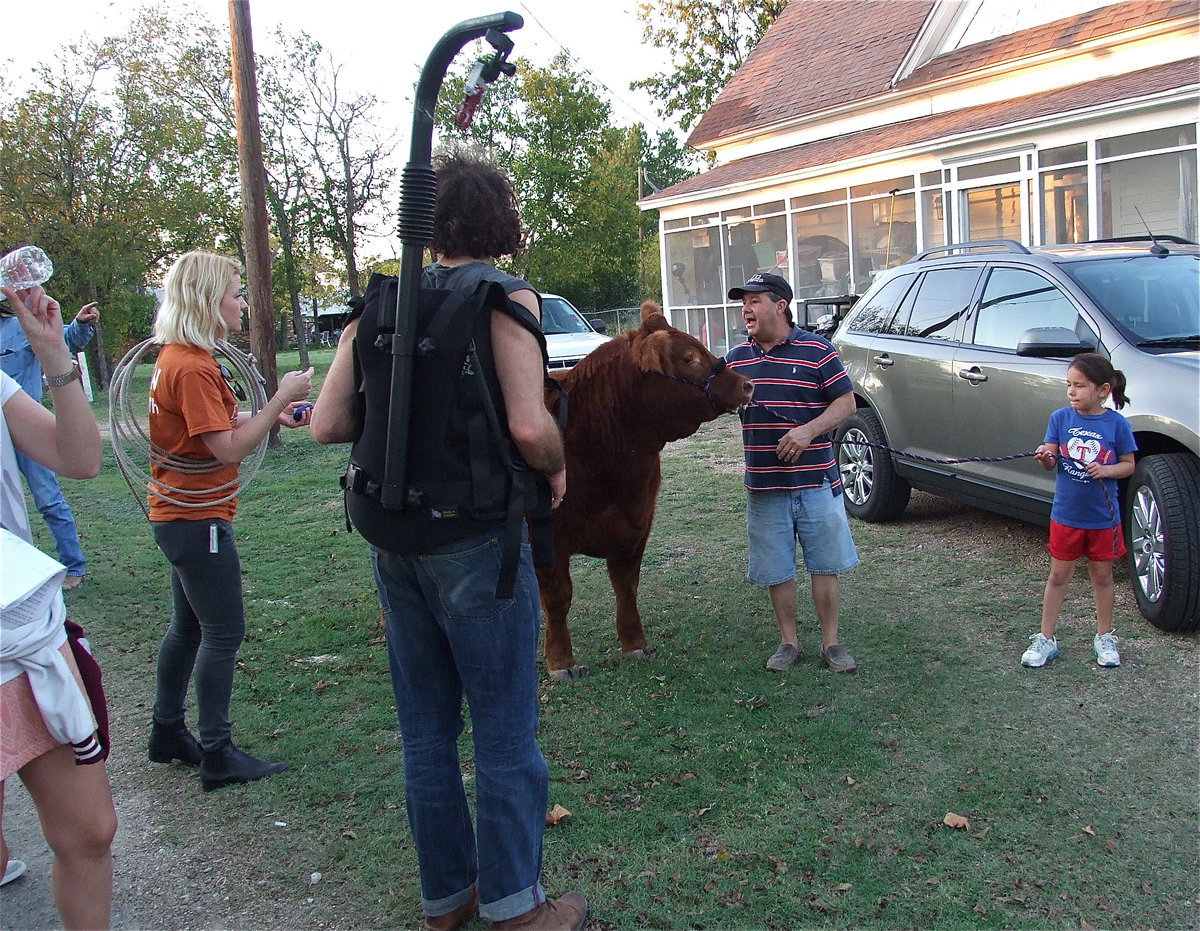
(990, 245)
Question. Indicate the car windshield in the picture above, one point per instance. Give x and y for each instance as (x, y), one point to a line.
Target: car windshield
(558, 317)
(1156, 298)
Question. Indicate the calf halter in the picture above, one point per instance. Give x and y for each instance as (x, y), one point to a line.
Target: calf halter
(705, 386)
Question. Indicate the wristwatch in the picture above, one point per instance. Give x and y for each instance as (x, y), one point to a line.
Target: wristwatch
(57, 381)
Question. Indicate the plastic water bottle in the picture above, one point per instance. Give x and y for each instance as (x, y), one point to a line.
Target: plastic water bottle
(25, 267)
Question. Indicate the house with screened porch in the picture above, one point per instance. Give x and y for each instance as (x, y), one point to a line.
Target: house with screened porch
(859, 133)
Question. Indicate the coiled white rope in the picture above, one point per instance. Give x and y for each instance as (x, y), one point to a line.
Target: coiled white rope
(131, 441)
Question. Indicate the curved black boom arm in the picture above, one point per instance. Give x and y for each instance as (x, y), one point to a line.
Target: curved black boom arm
(418, 190)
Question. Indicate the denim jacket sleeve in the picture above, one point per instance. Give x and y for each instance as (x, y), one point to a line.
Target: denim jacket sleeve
(78, 335)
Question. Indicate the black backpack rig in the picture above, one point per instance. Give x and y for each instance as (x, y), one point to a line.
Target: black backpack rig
(433, 461)
(464, 475)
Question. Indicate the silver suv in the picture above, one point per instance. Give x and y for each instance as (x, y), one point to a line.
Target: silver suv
(962, 352)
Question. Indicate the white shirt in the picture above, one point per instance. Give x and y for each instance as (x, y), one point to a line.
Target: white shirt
(14, 516)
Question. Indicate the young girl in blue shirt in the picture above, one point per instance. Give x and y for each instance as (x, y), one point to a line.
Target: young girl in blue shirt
(1091, 446)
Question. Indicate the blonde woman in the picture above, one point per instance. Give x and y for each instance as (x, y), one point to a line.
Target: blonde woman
(50, 700)
(194, 415)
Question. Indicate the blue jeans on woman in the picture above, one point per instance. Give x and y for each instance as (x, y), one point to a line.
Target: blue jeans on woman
(448, 635)
(48, 499)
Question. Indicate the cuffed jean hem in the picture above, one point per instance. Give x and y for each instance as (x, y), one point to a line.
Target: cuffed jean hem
(513, 905)
(438, 907)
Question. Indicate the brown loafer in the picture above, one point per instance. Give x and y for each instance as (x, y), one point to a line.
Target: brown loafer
(784, 658)
(838, 658)
(565, 914)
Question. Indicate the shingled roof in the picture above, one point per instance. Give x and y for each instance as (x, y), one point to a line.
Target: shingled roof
(816, 55)
(1060, 34)
(927, 129)
(821, 54)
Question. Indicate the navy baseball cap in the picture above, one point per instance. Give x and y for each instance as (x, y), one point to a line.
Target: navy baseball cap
(763, 281)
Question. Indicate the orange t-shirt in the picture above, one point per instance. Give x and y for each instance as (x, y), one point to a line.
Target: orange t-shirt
(188, 397)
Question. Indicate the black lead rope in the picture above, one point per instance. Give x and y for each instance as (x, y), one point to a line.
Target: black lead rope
(895, 452)
(1112, 511)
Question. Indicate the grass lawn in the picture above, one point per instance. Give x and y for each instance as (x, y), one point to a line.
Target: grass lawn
(704, 791)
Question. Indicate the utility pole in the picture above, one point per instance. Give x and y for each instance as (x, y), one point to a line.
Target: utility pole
(254, 198)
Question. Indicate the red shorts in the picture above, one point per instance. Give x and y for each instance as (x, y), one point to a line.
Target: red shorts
(1072, 543)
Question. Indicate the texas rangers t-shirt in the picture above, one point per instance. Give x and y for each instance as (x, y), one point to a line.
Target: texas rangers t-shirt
(1079, 500)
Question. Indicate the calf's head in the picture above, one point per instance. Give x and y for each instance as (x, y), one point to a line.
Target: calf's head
(704, 385)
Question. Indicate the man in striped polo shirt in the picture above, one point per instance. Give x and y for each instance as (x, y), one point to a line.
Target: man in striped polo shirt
(793, 489)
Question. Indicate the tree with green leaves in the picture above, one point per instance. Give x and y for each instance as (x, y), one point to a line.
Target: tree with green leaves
(106, 181)
(708, 40)
(576, 177)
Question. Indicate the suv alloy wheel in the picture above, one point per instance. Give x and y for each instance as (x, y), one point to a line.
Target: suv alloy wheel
(873, 490)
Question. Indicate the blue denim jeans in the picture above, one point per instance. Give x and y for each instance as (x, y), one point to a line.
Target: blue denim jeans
(816, 517)
(48, 499)
(449, 636)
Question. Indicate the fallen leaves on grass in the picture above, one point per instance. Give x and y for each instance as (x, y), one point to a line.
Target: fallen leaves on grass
(958, 822)
(555, 815)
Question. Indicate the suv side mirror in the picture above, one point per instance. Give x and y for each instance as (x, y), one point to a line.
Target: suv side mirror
(1051, 341)
(598, 325)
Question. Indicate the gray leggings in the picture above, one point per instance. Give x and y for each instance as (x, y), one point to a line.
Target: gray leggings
(208, 623)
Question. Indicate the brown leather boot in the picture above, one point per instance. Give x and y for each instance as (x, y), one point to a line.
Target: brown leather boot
(455, 919)
(565, 914)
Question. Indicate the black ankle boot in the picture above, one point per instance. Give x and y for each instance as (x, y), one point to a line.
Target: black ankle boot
(173, 742)
(228, 765)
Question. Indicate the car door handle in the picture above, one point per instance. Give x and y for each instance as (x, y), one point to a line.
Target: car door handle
(973, 375)
(883, 361)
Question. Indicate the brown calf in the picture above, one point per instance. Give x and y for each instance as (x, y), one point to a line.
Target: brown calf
(626, 400)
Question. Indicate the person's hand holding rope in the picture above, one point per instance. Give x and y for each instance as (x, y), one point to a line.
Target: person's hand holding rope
(1047, 455)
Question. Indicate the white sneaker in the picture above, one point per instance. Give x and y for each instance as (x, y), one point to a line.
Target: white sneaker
(14, 870)
(1105, 646)
(1041, 651)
